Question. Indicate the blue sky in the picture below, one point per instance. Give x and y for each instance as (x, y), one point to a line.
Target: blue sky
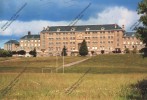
(37, 14)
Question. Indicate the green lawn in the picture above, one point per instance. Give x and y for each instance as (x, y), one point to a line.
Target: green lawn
(110, 77)
(110, 64)
(34, 64)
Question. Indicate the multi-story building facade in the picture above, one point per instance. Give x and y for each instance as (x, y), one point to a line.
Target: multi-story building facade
(98, 38)
(108, 38)
(30, 42)
(130, 41)
(11, 45)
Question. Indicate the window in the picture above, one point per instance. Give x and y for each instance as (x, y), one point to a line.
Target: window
(73, 29)
(58, 29)
(102, 28)
(87, 29)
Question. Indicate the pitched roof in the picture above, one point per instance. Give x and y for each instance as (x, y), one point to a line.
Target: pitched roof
(26, 37)
(12, 42)
(130, 34)
(84, 27)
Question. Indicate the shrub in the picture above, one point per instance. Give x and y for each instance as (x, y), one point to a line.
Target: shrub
(33, 52)
(127, 50)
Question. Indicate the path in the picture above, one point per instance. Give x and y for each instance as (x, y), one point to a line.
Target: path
(73, 63)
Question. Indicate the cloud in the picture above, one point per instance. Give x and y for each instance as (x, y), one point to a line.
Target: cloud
(21, 28)
(118, 15)
(110, 15)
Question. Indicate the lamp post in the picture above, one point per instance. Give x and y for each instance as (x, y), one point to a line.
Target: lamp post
(63, 61)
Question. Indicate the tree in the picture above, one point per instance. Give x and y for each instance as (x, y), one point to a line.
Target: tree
(83, 51)
(142, 30)
(102, 51)
(127, 50)
(64, 51)
(134, 51)
(14, 52)
(5, 53)
(33, 52)
(21, 52)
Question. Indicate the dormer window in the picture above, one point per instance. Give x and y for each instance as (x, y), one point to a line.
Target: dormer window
(87, 29)
(58, 29)
(73, 29)
(102, 28)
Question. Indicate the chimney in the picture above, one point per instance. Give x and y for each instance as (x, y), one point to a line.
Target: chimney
(123, 27)
(29, 33)
(48, 27)
(43, 28)
(115, 26)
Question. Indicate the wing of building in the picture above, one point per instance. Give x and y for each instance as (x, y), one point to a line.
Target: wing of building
(130, 41)
(30, 42)
(11, 45)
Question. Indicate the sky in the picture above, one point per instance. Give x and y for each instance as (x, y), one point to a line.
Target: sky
(17, 17)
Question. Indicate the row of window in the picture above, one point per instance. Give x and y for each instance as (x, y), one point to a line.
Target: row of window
(132, 43)
(73, 48)
(73, 38)
(59, 43)
(73, 33)
(30, 45)
(29, 48)
(30, 41)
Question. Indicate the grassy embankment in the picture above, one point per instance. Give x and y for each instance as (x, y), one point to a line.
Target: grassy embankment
(110, 78)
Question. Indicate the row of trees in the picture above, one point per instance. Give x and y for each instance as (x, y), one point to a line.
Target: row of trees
(22, 52)
(6, 53)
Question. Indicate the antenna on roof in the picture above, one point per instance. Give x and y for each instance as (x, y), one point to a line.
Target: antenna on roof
(80, 15)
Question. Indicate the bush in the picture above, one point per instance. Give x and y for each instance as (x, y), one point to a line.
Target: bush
(102, 51)
(21, 52)
(144, 51)
(127, 50)
(33, 52)
(134, 51)
(5, 53)
(14, 52)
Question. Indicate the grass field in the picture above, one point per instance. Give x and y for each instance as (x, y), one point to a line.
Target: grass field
(110, 78)
(34, 64)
